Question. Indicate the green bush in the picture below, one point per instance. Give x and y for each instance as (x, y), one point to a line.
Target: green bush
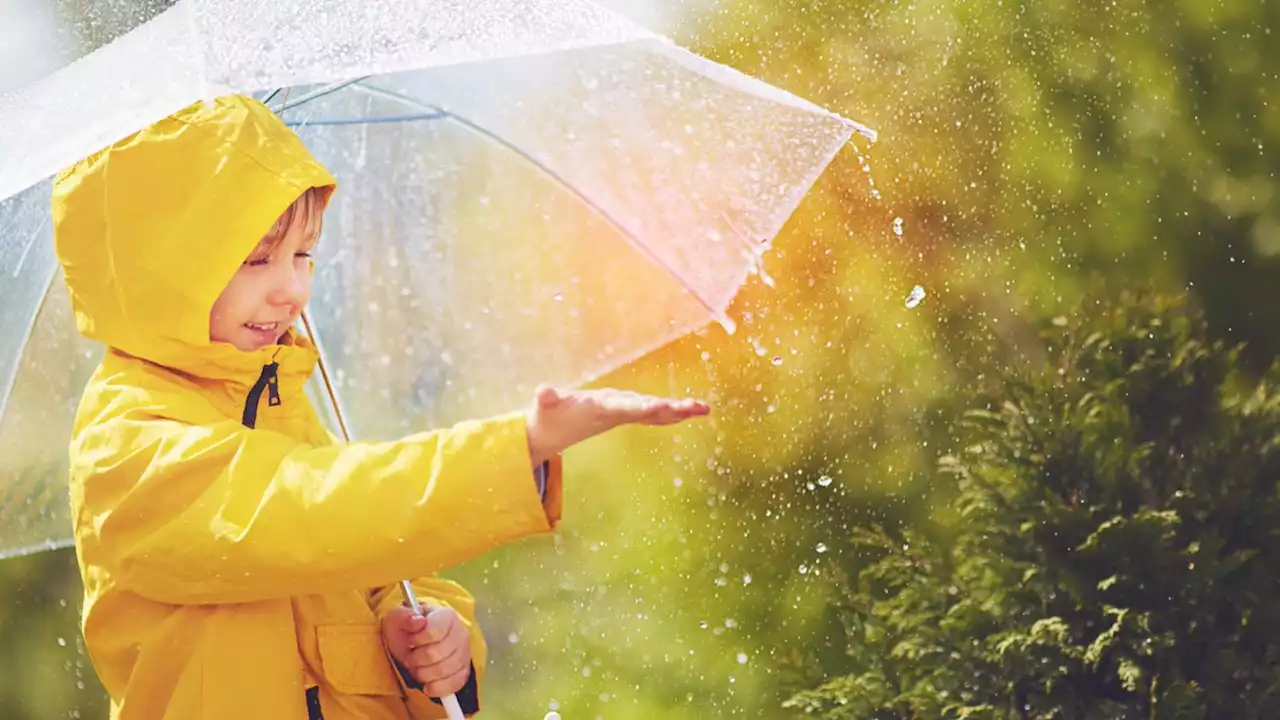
(1112, 549)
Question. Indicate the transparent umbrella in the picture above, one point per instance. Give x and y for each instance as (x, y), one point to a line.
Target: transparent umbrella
(529, 191)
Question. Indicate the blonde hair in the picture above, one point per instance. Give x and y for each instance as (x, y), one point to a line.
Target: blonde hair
(307, 213)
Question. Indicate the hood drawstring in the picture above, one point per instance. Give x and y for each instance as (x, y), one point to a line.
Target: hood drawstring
(269, 380)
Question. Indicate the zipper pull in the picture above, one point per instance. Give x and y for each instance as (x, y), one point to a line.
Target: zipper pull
(273, 385)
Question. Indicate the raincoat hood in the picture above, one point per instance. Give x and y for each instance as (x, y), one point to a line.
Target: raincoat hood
(151, 229)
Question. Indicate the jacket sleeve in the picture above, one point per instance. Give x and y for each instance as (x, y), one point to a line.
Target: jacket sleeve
(199, 509)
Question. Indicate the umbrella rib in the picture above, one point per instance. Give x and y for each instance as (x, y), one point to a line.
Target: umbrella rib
(602, 212)
(313, 95)
(367, 120)
(12, 380)
(334, 402)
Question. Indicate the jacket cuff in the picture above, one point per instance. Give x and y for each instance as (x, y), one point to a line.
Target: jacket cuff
(551, 488)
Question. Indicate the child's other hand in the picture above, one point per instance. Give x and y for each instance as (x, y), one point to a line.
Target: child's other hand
(560, 419)
(435, 649)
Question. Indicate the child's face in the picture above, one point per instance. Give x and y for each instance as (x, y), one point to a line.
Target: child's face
(267, 293)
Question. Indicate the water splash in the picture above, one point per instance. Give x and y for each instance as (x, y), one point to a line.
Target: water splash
(915, 298)
(866, 168)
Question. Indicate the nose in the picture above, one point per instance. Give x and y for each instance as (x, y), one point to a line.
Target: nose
(291, 285)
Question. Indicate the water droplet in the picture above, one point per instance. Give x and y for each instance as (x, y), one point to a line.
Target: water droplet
(678, 481)
(821, 548)
(746, 579)
(777, 360)
(824, 481)
(916, 297)
(897, 226)
(804, 569)
(553, 715)
(742, 658)
(513, 638)
(62, 642)
(558, 297)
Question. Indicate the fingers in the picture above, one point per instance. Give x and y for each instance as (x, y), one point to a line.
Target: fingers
(547, 396)
(443, 662)
(440, 658)
(433, 630)
(412, 623)
(450, 684)
(629, 406)
(669, 412)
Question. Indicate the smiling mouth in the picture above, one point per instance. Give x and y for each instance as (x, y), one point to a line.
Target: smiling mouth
(264, 327)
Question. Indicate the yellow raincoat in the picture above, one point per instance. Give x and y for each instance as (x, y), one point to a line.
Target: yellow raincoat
(228, 569)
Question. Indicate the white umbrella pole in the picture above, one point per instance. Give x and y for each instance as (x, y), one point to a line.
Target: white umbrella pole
(449, 701)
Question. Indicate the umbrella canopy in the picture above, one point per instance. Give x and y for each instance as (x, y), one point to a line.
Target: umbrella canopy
(532, 191)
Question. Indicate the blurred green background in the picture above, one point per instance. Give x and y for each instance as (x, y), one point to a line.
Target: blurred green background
(1032, 155)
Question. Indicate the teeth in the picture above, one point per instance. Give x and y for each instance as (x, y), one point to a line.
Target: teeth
(254, 326)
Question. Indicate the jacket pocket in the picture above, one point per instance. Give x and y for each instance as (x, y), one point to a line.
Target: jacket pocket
(355, 661)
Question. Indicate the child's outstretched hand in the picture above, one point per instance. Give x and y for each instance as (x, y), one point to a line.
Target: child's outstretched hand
(560, 419)
(435, 649)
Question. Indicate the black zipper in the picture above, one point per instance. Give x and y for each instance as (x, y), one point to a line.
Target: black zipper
(269, 380)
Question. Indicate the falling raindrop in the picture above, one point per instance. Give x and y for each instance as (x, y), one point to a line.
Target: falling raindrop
(62, 642)
(742, 658)
(916, 297)
(897, 226)
(824, 480)
(821, 548)
(777, 360)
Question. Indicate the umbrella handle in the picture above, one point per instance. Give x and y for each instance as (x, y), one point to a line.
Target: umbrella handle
(450, 701)
(452, 708)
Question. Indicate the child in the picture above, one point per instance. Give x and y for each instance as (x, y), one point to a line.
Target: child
(237, 562)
